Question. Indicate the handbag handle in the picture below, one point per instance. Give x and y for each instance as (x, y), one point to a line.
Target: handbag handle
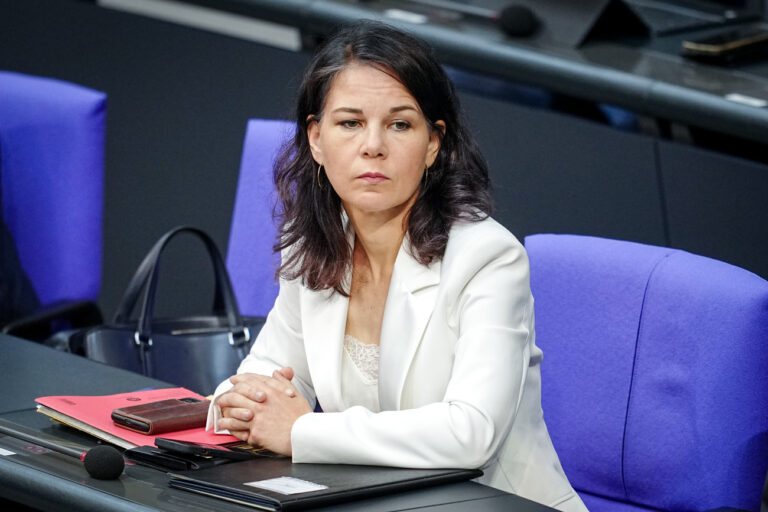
(146, 277)
(140, 277)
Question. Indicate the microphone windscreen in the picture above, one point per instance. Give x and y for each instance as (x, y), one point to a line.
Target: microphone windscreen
(104, 462)
(518, 20)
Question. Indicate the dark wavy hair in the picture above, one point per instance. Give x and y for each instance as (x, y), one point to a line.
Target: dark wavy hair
(456, 186)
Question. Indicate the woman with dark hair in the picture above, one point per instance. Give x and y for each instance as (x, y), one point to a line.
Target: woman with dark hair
(404, 309)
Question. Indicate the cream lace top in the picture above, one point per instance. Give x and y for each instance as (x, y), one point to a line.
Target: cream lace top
(360, 374)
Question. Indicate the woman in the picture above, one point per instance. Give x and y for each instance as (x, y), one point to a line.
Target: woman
(404, 309)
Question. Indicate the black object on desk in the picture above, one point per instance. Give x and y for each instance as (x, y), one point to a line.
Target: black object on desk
(277, 484)
(102, 462)
(730, 46)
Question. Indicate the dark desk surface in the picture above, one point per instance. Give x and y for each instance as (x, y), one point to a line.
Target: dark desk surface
(50, 481)
(647, 76)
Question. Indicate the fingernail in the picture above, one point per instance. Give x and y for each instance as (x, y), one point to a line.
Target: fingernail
(290, 392)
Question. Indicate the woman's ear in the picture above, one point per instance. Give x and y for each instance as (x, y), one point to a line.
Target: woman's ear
(435, 138)
(313, 134)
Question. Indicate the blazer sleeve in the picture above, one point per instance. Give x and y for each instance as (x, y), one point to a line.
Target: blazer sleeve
(487, 299)
(279, 344)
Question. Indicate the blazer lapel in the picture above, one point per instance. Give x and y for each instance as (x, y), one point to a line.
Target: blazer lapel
(325, 315)
(410, 302)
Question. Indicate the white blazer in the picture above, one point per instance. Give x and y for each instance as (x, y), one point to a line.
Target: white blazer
(459, 381)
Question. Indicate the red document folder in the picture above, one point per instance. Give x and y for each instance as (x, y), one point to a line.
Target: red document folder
(92, 414)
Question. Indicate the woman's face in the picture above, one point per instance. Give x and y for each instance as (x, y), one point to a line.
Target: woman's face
(373, 141)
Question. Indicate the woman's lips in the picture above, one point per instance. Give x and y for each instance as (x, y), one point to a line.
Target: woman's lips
(372, 177)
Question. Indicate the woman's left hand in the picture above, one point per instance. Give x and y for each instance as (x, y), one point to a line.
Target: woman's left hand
(275, 404)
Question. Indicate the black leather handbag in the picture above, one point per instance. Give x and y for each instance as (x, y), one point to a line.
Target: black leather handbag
(196, 352)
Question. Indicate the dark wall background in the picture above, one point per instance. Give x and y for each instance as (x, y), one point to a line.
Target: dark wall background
(179, 99)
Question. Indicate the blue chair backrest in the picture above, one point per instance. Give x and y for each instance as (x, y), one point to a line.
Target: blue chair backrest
(250, 260)
(52, 147)
(654, 380)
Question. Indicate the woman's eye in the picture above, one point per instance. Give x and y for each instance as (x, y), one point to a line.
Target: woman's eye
(350, 123)
(401, 125)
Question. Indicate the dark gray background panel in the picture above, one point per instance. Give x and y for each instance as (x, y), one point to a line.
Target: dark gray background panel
(717, 204)
(556, 173)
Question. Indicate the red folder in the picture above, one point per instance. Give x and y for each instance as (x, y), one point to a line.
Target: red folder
(92, 414)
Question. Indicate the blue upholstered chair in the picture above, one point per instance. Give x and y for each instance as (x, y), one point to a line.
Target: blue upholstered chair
(250, 260)
(655, 374)
(52, 147)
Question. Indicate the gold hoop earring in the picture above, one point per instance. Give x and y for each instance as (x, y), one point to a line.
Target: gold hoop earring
(319, 183)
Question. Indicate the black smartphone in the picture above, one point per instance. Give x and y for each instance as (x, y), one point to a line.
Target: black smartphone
(234, 451)
(728, 46)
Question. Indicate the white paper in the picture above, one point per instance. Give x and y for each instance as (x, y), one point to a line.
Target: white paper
(287, 485)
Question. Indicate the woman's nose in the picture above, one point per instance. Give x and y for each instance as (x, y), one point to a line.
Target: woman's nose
(374, 144)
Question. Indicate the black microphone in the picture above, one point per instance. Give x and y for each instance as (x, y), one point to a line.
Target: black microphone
(518, 20)
(102, 462)
(514, 19)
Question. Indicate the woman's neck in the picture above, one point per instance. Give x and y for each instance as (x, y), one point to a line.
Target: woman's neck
(377, 241)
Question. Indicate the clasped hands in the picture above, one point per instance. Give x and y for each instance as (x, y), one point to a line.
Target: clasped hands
(261, 410)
